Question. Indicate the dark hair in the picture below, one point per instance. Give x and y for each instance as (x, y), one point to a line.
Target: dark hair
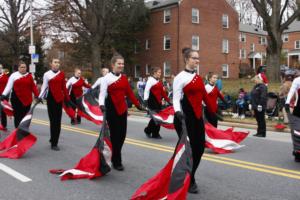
(261, 69)
(154, 70)
(115, 58)
(21, 62)
(242, 90)
(54, 58)
(186, 52)
(210, 75)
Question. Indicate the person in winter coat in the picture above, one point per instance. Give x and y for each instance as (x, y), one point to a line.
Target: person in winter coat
(259, 104)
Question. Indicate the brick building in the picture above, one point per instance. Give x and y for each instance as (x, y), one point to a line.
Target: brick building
(253, 43)
(210, 27)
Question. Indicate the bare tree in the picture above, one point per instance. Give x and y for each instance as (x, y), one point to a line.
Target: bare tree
(94, 22)
(272, 13)
(13, 24)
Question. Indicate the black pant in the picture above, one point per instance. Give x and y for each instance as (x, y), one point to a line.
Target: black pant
(3, 119)
(74, 106)
(196, 133)
(54, 113)
(118, 128)
(296, 110)
(261, 122)
(19, 109)
(154, 105)
(211, 117)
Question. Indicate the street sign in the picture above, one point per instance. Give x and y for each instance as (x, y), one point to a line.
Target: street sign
(32, 68)
(31, 49)
(35, 58)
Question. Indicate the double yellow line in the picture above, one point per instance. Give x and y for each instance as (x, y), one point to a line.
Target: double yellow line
(209, 157)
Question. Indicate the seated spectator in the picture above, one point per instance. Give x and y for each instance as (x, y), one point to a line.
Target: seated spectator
(241, 104)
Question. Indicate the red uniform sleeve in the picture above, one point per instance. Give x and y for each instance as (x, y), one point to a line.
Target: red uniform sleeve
(64, 88)
(209, 104)
(86, 85)
(221, 96)
(34, 88)
(164, 95)
(130, 94)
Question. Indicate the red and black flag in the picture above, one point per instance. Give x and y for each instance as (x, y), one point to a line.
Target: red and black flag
(95, 164)
(88, 107)
(164, 117)
(70, 109)
(20, 140)
(173, 181)
(7, 108)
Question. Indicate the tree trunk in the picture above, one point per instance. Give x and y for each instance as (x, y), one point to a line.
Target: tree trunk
(96, 61)
(273, 66)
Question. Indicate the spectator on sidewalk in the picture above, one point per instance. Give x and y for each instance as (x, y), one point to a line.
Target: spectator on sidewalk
(258, 104)
(240, 104)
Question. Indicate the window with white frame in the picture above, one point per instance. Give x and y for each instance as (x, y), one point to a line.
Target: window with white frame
(148, 69)
(167, 42)
(195, 42)
(137, 47)
(225, 70)
(167, 16)
(252, 47)
(285, 37)
(225, 21)
(167, 69)
(297, 44)
(242, 37)
(148, 44)
(262, 40)
(137, 71)
(225, 46)
(195, 15)
(242, 53)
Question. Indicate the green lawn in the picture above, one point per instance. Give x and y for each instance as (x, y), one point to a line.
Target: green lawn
(231, 87)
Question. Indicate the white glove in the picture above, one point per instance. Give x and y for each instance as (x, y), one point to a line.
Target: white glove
(250, 107)
(259, 108)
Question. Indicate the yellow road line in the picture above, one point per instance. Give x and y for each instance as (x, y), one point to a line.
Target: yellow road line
(213, 158)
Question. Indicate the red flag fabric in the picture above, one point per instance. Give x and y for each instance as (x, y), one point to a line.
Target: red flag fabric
(88, 107)
(7, 108)
(20, 140)
(173, 181)
(69, 109)
(219, 141)
(95, 164)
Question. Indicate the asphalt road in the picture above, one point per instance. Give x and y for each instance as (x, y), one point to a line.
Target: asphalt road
(263, 170)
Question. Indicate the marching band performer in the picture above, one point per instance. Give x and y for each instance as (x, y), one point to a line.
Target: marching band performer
(104, 71)
(55, 91)
(22, 86)
(188, 94)
(153, 95)
(3, 82)
(213, 94)
(75, 85)
(114, 89)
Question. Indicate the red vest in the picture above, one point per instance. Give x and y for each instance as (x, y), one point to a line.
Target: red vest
(3, 82)
(77, 87)
(57, 87)
(118, 91)
(24, 87)
(195, 93)
(213, 97)
(158, 91)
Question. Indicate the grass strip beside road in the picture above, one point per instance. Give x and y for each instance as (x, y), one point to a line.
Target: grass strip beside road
(209, 157)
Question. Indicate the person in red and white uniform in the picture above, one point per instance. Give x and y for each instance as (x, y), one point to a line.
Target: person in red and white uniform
(153, 95)
(75, 85)
(261, 72)
(114, 89)
(104, 71)
(21, 86)
(188, 94)
(55, 91)
(3, 82)
(213, 94)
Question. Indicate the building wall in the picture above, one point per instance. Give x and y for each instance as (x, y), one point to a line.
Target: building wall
(209, 30)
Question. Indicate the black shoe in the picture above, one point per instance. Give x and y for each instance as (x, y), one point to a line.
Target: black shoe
(193, 188)
(119, 167)
(55, 148)
(297, 156)
(148, 134)
(73, 122)
(259, 135)
(156, 136)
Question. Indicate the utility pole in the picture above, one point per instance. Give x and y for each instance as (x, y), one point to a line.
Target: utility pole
(31, 46)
